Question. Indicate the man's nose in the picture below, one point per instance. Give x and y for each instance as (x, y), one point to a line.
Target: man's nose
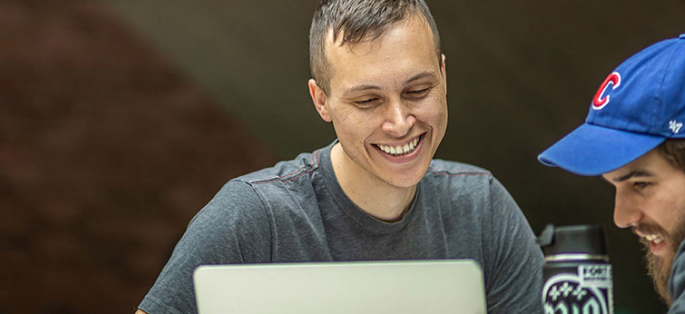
(398, 119)
(626, 212)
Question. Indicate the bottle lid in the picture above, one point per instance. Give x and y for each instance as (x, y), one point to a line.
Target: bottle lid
(578, 242)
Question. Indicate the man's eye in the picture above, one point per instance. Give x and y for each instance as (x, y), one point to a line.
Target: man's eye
(366, 102)
(641, 184)
(418, 92)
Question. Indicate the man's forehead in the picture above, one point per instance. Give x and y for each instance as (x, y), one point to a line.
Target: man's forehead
(404, 50)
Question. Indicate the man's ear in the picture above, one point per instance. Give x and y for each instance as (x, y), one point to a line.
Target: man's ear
(443, 70)
(442, 67)
(320, 100)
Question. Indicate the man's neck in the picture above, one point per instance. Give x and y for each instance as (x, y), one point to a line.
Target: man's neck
(371, 194)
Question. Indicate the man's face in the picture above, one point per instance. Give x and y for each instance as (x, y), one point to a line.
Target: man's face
(387, 101)
(650, 198)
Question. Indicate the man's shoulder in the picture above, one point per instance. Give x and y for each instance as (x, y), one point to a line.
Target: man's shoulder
(284, 171)
(267, 186)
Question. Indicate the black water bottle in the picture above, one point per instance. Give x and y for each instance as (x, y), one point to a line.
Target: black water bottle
(577, 274)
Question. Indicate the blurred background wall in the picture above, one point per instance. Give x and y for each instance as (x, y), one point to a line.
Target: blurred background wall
(119, 120)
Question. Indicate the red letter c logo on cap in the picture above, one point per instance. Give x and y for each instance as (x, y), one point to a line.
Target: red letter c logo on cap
(599, 101)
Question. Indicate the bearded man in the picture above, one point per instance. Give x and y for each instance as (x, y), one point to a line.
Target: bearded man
(634, 138)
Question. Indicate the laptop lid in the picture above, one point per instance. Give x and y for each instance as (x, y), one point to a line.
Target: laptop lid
(397, 287)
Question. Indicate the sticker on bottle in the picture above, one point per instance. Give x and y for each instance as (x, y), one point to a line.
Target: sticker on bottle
(587, 291)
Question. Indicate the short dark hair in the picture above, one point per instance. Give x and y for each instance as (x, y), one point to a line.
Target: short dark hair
(673, 150)
(356, 21)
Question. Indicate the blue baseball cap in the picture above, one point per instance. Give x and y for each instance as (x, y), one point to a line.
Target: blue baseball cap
(637, 107)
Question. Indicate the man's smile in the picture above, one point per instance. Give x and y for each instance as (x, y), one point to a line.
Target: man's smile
(654, 239)
(400, 149)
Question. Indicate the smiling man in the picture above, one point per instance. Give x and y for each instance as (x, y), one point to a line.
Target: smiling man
(375, 193)
(633, 138)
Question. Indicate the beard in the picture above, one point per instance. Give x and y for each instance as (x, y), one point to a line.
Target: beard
(659, 267)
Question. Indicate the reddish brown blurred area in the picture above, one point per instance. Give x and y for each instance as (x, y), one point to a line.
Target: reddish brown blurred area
(106, 152)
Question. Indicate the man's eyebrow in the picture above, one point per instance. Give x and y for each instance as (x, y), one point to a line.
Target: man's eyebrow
(633, 174)
(416, 77)
(420, 76)
(359, 88)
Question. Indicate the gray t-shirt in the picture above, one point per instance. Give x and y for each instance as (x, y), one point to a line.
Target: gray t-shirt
(297, 212)
(676, 282)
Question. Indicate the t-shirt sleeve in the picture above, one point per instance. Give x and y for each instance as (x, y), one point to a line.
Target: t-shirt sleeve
(676, 283)
(514, 275)
(233, 228)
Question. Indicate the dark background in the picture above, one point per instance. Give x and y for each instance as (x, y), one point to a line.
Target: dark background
(120, 119)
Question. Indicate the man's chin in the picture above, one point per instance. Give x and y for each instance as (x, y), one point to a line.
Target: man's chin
(659, 268)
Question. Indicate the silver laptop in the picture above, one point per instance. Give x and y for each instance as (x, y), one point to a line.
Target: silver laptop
(392, 287)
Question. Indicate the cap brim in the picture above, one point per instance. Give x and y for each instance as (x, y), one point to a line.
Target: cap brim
(592, 150)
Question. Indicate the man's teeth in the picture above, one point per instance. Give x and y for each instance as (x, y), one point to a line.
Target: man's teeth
(399, 150)
(654, 238)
